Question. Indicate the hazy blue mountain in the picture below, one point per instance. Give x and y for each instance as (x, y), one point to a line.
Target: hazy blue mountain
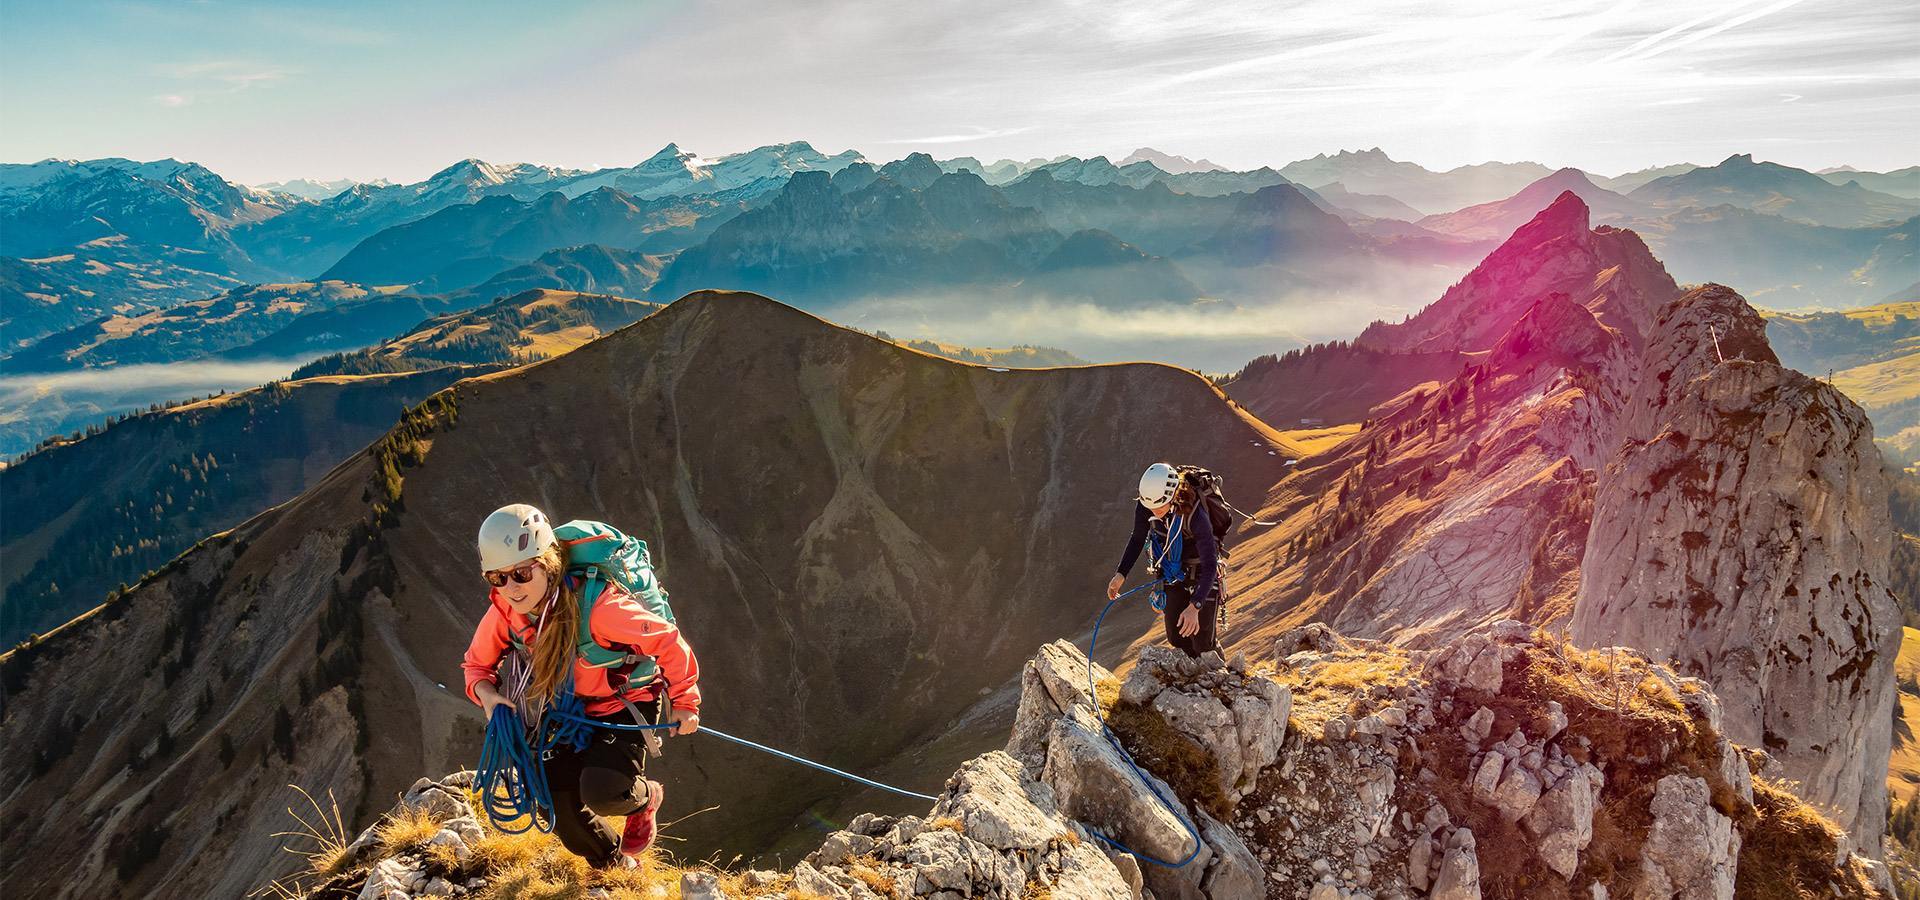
(1496, 220)
(1899, 182)
(1169, 163)
(1279, 225)
(1375, 206)
(1373, 172)
(916, 171)
(1781, 190)
(1786, 264)
(1092, 266)
(1153, 217)
(1624, 184)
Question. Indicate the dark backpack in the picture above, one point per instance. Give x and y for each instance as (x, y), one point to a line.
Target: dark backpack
(1207, 488)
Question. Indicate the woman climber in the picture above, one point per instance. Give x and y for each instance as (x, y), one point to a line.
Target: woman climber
(578, 626)
(1176, 521)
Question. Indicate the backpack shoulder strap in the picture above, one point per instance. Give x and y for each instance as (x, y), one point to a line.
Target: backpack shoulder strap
(590, 587)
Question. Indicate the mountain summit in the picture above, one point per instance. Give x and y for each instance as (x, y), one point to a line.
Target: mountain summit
(839, 504)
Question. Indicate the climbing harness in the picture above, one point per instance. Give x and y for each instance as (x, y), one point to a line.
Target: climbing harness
(512, 780)
(1167, 555)
(1114, 739)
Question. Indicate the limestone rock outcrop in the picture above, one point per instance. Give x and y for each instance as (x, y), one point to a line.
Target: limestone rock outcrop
(1741, 535)
(1481, 768)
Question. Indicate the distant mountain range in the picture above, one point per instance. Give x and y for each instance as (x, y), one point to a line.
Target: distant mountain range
(1373, 172)
(308, 189)
(1766, 187)
(1167, 162)
(98, 245)
(1899, 182)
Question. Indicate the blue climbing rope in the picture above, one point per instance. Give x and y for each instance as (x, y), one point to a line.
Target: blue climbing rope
(1114, 739)
(620, 726)
(511, 780)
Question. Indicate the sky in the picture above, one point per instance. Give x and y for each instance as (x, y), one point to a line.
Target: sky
(266, 91)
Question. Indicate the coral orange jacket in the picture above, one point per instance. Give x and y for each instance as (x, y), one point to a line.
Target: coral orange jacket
(617, 621)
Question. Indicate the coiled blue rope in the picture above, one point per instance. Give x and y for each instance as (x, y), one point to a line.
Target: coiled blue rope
(511, 780)
(1114, 739)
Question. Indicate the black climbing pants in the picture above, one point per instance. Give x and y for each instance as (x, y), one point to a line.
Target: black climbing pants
(1179, 597)
(604, 778)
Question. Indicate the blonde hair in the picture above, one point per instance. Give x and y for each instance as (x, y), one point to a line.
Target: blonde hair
(554, 644)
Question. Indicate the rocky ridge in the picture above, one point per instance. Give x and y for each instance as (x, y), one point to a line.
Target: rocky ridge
(1622, 458)
(1503, 764)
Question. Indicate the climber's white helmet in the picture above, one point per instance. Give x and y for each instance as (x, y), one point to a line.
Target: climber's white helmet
(1157, 485)
(512, 534)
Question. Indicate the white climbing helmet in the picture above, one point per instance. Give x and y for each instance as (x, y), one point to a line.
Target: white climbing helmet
(1157, 485)
(512, 534)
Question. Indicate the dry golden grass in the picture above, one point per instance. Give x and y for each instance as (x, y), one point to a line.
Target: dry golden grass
(872, 873)
(407, 829)
(1318, 440)
(322, 827)
(528, 866)
(1170, 755)
(1336, 686)
(949, 823)
(1788, 853)
(1880, 384)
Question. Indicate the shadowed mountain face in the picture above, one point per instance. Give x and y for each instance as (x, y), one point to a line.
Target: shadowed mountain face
(462, 246)
(814, 243)
(591, 268)
(112, 507)
(821, 502)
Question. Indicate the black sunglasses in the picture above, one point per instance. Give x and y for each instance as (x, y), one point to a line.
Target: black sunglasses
(522, 574)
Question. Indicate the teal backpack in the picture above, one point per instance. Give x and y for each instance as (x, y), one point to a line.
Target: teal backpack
(596, 554)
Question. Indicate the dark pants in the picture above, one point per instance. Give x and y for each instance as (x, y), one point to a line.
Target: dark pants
(1179, 597)
(604, 778)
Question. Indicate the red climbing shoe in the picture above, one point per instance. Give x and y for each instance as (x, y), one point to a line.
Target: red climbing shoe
(639, 832)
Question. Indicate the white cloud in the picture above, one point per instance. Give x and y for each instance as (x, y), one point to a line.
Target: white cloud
(976, 135)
